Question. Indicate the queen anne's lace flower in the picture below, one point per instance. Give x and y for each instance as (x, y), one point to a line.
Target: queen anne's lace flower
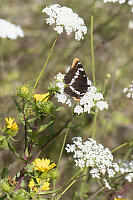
(114, 1)
(130, 24)
(129, 2)
(127, 167)
(9, 30)
(91, 99)
(93, 155)
(65, 18)
(129, 91)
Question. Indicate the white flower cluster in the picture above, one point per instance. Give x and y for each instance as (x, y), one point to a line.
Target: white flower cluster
(130, 24)
(61, 96)
(64, 17)
(129, 91)
(9, 30)
(93, 155)
(114, 1)
(91, 99)
(129, 2)
(127, 167)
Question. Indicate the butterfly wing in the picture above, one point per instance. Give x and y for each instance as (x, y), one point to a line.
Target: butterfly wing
(76, 80)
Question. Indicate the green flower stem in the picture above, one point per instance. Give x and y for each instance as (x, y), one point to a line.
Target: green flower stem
(14, 151)
(83, 183)
(2, 59)
(64, 141)
(92, 52)
(119, 147)
(94, 125)
(127, 154)
(70, 183)
(45, 63)
(66, 189)
(97, 192)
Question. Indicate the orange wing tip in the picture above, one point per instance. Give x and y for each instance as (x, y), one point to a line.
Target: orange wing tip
(74, 62)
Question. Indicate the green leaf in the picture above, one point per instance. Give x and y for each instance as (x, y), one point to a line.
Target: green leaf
(4, 197)
(43, 127)
(5, 172)
(59, 108)
(30, 130)
(17, 105)
(14, 151)
(31, 120)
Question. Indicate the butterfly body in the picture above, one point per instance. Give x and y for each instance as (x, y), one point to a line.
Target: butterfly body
(76, 81)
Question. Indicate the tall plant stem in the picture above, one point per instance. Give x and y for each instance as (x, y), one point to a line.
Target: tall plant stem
(92, 52)
(119, 147)
(94, 125)
(62, 148)
(45, 63)
(83, 184)
(95, 194)
(70, 183)
(66, 189)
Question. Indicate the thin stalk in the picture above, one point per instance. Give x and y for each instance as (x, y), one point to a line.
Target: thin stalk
(83, 183)
(25, 134)
(14, 151)
(70, 183)
(66, 189)
(127, 154)
(75, 176)
(64, 141)
(45, 63)
(95, 194)
(119, 147)
(2, 61)
(94, 126)
(92, 52)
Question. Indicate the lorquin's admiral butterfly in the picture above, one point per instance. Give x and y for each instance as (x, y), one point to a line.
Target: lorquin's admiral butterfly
(76, 81)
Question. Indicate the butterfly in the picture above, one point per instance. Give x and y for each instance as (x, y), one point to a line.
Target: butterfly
(76, 81)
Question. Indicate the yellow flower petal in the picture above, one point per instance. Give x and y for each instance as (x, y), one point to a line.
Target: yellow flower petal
(10, 124)
(45, 186)
(41, 97)
(31, 184)
(43, 165)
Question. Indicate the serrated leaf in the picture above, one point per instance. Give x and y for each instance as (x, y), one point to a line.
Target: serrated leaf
(17, 105)
(5, 172)
(43, 127)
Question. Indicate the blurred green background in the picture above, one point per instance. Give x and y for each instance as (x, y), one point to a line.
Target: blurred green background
(21, 61)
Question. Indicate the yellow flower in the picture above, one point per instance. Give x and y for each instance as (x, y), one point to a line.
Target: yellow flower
(11, 125)
(42, 97)
(45, 186)
(31, 184)
(43, 165)
(24, 88)
(117, 198)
